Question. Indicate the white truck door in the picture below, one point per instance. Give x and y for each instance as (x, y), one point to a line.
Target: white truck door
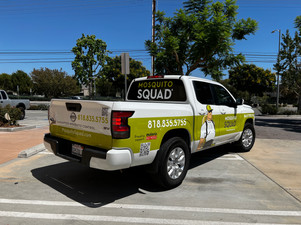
(207, 117)
(228, 113)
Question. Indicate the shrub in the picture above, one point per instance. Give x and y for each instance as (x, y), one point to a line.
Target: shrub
(289, 112)
(14, 114)
(43, 107)
(269, 109)
(33, 107)
(39, 107)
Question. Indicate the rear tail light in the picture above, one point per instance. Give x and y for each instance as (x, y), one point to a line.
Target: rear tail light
(120, 127)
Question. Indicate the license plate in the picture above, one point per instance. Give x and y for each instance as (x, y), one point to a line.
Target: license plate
(77, 150)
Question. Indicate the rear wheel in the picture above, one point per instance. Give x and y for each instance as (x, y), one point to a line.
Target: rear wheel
(174, 163)
(247, 138)
(22, 116)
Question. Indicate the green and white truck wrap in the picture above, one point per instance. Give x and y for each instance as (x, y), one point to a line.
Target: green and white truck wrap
(163, 121)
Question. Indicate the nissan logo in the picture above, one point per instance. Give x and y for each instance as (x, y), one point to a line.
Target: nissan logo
(73, 117)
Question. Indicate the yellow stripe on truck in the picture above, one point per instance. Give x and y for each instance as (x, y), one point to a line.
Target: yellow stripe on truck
(149, 132)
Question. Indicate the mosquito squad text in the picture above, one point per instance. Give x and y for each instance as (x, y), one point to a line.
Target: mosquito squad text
(156, 84)
(155, 90)
(154, 94)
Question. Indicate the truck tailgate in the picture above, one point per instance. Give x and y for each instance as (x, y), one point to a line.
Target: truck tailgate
(84, 122)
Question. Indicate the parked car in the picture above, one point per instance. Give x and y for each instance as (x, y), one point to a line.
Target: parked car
(76, 97)
(22, 104)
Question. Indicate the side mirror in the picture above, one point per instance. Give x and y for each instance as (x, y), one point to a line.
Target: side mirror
(240, 101)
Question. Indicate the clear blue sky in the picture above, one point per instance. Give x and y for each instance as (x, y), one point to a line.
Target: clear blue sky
(41, 33)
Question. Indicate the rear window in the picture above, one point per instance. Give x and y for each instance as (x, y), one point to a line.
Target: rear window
(203, 92)
(158, 90)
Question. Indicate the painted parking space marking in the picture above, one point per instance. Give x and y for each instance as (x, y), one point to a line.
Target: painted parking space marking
(45, 152)
(98, 218)
(155, 207)
(231, 157)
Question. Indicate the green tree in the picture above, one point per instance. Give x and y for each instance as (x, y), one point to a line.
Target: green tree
(245, 95)
(290, 64)
(53, 83)
(253, 79)
(22, 80)
(70, 86)
(200, 36)
(5, 81)
(91, 55)
(298, 23)
(111, 80)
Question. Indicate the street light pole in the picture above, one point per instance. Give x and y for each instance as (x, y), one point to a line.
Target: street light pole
(278, 72)
(153, 33)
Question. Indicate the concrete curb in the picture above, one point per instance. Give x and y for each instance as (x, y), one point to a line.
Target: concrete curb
(31, 151)
(297, 117)
(17, 128)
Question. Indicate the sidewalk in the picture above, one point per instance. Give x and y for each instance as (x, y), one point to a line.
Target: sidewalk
(280, 160)
(12, 143)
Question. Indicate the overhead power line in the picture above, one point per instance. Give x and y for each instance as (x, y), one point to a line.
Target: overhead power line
(57, 56)
(12, 52)
(38, 62)
(48, 56)
(33, 52)
(53, 56)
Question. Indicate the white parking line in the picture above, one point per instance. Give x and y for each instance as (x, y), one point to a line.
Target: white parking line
(93, 218)
(231, 157)
(155, 207)
(45, 152)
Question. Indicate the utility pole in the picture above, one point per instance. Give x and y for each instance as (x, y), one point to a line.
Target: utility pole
(125, 69)
(153, 33)
(278, 72)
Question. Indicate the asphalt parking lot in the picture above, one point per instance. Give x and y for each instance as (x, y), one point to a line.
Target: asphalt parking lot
(221, 187)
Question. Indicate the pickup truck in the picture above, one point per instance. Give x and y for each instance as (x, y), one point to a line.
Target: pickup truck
(162, 122)
(22, 104)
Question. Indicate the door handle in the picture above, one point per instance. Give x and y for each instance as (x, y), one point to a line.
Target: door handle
(202, 112)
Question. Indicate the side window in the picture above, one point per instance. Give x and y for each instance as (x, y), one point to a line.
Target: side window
(203, 92)
(3, 95)
(222, 96)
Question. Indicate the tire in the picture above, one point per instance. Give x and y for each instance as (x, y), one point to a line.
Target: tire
(174, 163)
(247, 138)
(22, 117)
